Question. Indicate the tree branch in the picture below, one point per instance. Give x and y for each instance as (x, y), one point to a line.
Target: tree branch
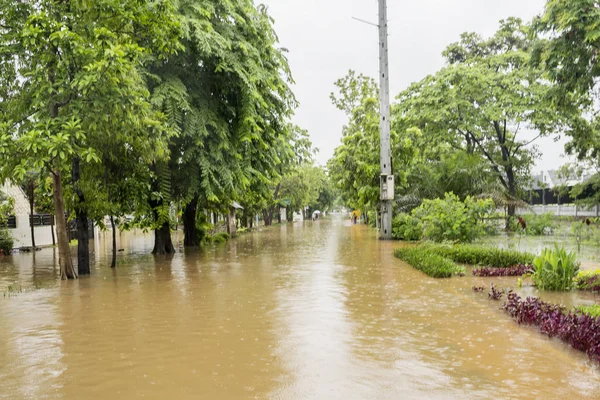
(491, 160)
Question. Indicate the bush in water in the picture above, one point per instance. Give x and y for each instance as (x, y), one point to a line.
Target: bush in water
(6, 242)
(494, 293)
(452, 220)
(581, 331)
(588, 280)
(555, 270)
(515, 270)
(406, 227)
(432, 264)
(478, 255)
(591, 310)
(534, 225)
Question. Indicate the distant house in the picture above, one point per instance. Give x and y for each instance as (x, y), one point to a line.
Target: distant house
(544, 187)
(19, 224)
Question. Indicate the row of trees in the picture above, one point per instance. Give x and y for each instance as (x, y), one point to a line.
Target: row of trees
(471, 128)
(135, 107)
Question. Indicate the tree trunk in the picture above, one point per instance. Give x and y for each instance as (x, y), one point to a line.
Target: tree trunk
(162, 240)
(290, 215)
(64, 253)
(231, 223)
(113, 263)
(52, 229)
(512, 192)
(190, 238)
(279, 215)
(31, 220)
(268, 217)
(81, 220)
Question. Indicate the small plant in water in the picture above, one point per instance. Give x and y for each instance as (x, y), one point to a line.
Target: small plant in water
(478, 289)
(555, 269)
(588, 280)
(516, 270)
(580, 330)
(495, 294)
(591, 310)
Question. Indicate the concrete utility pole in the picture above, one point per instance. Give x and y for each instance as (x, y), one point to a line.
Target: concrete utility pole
(387, 176)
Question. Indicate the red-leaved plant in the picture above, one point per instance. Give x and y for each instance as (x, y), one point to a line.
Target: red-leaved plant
(581, 331)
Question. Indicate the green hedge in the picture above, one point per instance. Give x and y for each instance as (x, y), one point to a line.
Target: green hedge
(478, 255)
(428, 262)
(6, 242)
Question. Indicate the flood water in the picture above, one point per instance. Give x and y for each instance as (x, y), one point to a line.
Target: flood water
(305, 311)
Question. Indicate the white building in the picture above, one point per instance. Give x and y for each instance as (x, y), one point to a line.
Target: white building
(22, 232)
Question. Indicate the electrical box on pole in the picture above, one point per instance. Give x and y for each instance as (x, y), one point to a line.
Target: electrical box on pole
(387, 175)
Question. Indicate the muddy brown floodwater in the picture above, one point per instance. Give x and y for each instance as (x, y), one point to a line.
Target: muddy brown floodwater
(306, 311)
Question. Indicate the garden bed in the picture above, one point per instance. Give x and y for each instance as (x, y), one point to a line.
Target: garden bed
(428, 262)
(484, 256)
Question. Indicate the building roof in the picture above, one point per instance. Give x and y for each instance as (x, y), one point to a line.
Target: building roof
(21, 202)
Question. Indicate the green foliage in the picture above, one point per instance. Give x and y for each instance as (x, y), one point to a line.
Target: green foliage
(428, 262)
(452, 220)
(407, 227)
(6, 209)
(536, 225)
(222, 237)
(555, 269)
(477, 105)
(354, 169)
(6, 242)
(592, 310)
(479, 255)
(568, 54)
(588, 280)
(228, 98)
(303, 186)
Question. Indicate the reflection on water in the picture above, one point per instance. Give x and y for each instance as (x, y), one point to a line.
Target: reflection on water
(314, 311)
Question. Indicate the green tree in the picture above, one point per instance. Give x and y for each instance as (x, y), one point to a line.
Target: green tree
(483, 100)
(355, 169)
(71, 82)
(228, 98)
(568, 53)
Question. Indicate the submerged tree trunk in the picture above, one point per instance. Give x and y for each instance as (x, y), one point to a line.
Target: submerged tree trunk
(52, 230)
(64, 253)
(162, 240)
(31, 219)
(113, 263)
(268, 217)
(81, 219)
(189, 223)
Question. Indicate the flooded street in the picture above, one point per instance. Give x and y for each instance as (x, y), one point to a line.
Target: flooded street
(305, 311)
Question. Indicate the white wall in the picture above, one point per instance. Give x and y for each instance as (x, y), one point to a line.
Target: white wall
(22, 234)
(562, 210)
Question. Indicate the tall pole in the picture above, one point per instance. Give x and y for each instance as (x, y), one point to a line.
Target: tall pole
(387, 177)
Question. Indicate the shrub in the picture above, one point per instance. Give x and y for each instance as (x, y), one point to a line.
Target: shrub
(591, 310)
(6, 242)
(406, 227)
(534, 225)
(588, 280)
(555, 269)
(430, 263)
(452, 220)
(478, 255)
(516, 270)
(581, 331)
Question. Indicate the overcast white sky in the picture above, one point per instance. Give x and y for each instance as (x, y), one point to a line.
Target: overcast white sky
(324, 42)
